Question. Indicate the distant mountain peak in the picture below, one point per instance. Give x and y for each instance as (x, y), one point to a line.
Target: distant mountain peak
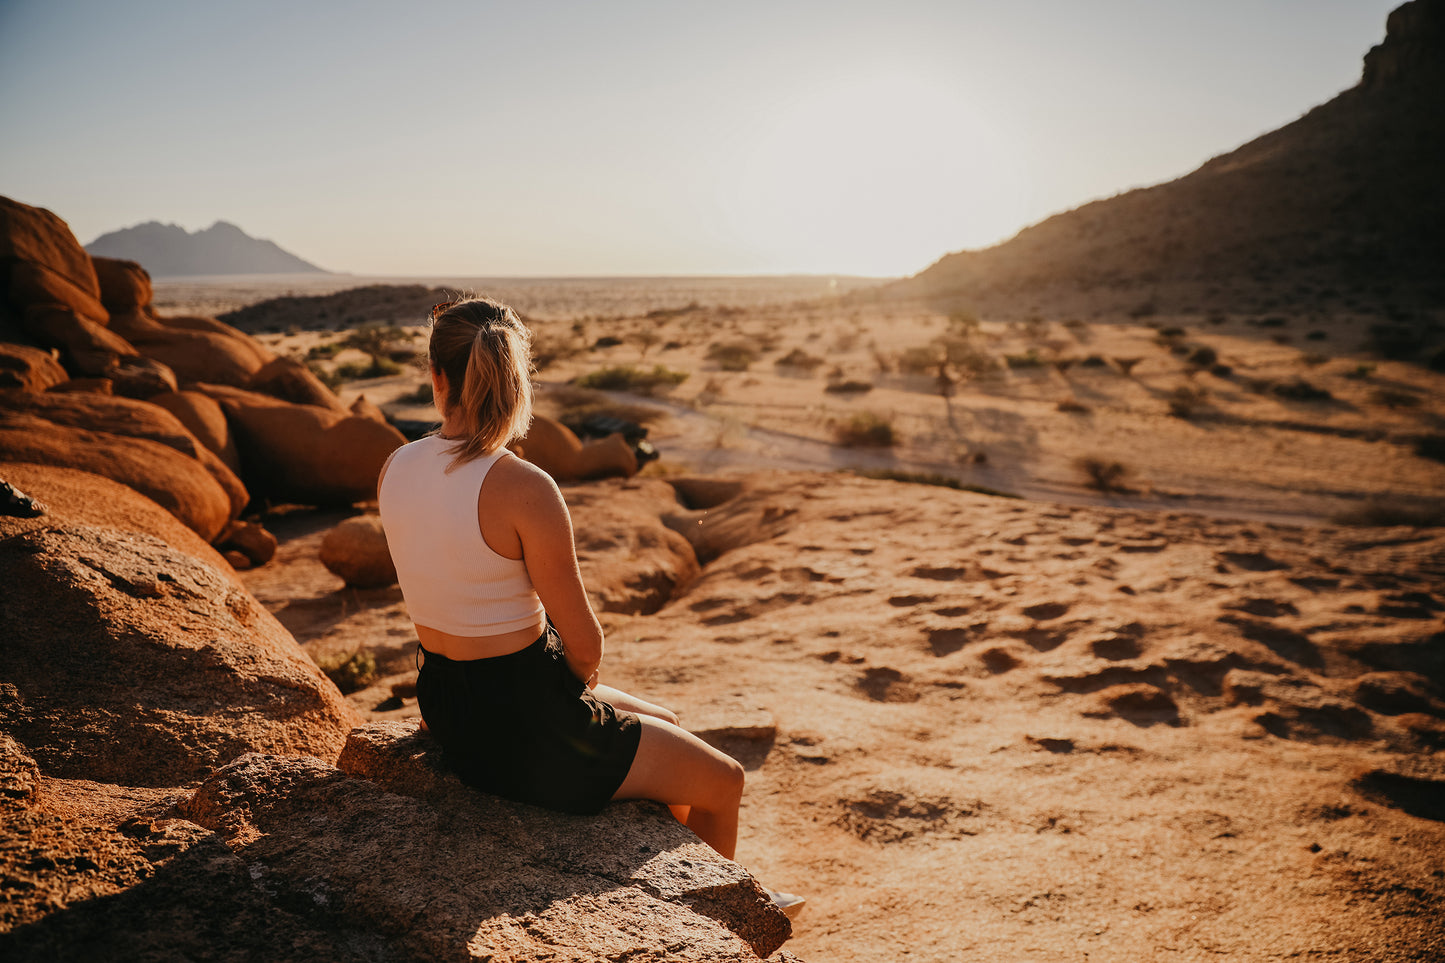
(169, 250)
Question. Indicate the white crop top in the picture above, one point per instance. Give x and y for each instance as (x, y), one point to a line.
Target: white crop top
(450, 577)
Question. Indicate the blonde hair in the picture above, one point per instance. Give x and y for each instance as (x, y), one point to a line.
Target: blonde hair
(484, 351)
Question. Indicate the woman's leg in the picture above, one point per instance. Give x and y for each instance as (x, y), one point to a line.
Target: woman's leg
(618, 699)
(676, 768)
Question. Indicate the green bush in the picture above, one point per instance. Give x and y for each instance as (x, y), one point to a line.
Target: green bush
(628, 378)
(732, 356)
(350, 671)
(865, 430)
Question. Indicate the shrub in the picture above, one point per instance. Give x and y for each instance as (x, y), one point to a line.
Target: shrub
(1073, 406)
(327, 350)
(1203, 356)
(1103, 475)
(919, 359)
(629, 378)
(1094, 361)
(865, 430)
(798, 358)
(1361, 372)
(1317, 336)
(732, 356)
(847, 387)
(1145, 309)
(1185, 400)
(1029, 359)
(350, 670)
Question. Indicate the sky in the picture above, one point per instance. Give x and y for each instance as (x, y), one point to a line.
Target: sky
(632, 137)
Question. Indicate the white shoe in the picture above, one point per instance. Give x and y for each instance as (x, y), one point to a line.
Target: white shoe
(790, 904)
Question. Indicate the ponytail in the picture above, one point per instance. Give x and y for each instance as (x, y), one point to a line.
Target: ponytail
(484, 350)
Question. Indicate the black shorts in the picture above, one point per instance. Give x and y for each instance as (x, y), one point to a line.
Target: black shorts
(524, 727)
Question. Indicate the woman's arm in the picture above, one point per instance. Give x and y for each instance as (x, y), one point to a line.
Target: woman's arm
(544, 528)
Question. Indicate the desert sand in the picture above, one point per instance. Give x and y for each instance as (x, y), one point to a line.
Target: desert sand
(1192, 716)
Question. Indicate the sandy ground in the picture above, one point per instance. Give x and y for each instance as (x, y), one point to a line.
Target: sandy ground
(1186, 720)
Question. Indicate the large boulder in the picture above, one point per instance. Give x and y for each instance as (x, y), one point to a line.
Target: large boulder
(630, 883)
(355, 551)
(556, 449)
(124, 285)
(180, 484)
(130, 418)
(290, 380)
(195, 352)
(90, 348)
(203, 418)
(56, 269)
(27, 368)
(303, 453)
(85, 498)
(130, 662)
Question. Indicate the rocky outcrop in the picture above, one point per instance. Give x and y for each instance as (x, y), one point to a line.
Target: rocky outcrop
(193, 352)
(630, 883)
(303, 453)
(127, 661)
(180, 484)
(86, 498)
(29, 369)
(121, 418)
(1414, 47)
(205, 420)
(355, 551)
(556, 449)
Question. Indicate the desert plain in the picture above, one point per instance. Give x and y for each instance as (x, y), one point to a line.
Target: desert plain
(1045, 630)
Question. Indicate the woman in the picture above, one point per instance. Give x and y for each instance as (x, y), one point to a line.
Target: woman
(511, 649)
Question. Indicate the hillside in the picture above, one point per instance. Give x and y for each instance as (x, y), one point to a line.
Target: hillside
(1344, 206)
(169, 250)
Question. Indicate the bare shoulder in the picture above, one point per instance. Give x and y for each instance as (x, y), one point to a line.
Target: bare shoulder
(526, 485)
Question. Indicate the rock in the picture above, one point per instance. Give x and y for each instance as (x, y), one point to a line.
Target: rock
(256, 545)
(365, 409)
(629, 883)
(130, 418)
(35, 236)
(204, 419)
(29, 369)
(89, 347)
(194, 351)
(302, 453)
(179, 484)
(130, 662)
(124, 285)
(83, 498)
(292, 381)
(35, 285)
(355, 551)
(556, 449)
(631, 561)
(140, 377)
(90, 386)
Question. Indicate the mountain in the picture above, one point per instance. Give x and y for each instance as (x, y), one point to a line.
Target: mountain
(1346, 203)
(168, 250)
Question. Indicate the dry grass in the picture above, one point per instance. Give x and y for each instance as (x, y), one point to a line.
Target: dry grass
(865, 430)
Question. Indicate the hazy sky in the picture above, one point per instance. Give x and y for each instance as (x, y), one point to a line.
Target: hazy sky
(635, 137)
